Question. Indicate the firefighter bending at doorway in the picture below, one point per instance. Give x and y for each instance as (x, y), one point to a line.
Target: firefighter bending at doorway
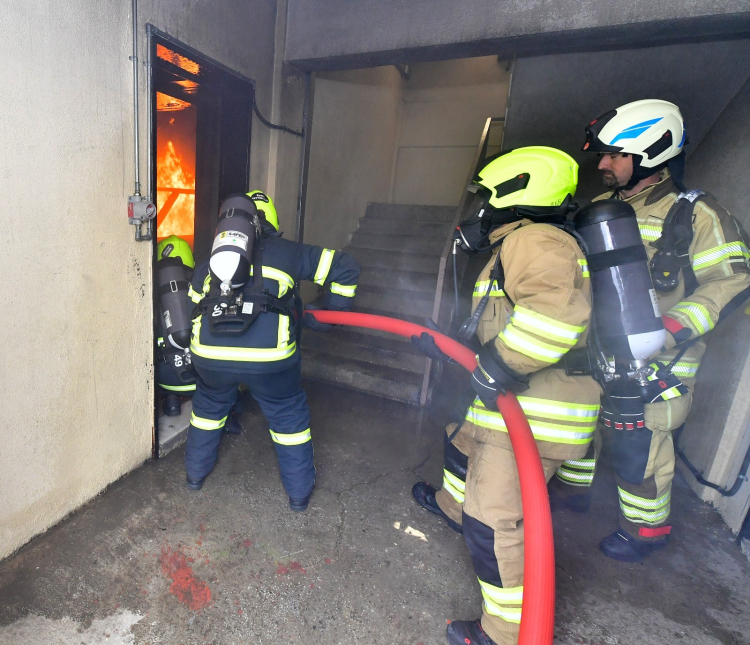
(531, 305)
(698, 257)
(174, 370)
(245, 331)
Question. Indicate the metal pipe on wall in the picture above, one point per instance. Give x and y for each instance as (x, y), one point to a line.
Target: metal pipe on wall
(134, 59)
(149, 118)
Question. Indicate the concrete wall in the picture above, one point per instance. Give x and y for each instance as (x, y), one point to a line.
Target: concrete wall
(353, 140)
(717, 434)
(445, 107)
(333, 34)
(77, 321)
(554, 97)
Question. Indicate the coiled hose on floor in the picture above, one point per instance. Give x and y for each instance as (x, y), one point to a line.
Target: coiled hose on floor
(538, 614)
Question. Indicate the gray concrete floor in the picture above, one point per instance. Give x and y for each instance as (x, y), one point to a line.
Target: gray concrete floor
(363, 565)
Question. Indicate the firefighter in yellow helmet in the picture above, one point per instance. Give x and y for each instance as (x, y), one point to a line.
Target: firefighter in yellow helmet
(531, 305)
(174, 369)
(699, 262)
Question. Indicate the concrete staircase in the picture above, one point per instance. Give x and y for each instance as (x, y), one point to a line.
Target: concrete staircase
(399, 248)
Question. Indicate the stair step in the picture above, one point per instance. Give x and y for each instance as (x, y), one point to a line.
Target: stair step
(388, 382)
(367, 349)
(399, 301)
(400, 243)
(397, 261)
(410, 280)
(392, 226)
(411, 212)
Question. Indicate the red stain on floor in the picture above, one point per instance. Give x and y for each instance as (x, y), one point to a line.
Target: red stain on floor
(247, 543)
(290, 566)
(185, 586)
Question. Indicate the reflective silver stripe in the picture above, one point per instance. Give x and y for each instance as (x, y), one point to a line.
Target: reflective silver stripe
(291, 439)
(549, 409)
(685, 369)
(347, 290)
(649, 233)
(584, 268)
(503, 603)
(455, 486)
(324, 266)
(697, 314)
(207, 424)
(716, 255)
(529, 346)
(194, 295)
(543, 431)
(640, 510)
(482, 286)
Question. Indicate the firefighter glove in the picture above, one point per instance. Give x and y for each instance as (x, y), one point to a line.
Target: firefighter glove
(493, 377)
(425, 343)
(309, 321)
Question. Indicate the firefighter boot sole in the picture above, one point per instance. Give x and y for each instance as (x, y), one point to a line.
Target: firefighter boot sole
(424, 494)
(467, 632)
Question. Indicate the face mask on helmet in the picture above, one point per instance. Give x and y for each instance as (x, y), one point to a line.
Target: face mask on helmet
(473, 233)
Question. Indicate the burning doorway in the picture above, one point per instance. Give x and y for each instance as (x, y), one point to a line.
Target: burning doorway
(201, 128)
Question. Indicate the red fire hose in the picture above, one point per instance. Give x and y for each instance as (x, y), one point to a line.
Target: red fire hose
(538, 615)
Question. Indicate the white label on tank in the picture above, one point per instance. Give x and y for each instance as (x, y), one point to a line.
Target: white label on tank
(247, 307)
(230, 238)
(655, 303)
(167, 319)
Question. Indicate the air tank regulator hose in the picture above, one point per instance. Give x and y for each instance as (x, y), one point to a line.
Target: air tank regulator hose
(538, 613)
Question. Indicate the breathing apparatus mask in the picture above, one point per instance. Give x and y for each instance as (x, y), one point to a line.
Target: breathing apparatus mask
(472, 235)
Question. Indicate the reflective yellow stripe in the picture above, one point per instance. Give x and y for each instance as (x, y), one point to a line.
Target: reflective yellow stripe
(643, 501)
(178, 388)
(534, 321)
(543, 431)
(284, 279)
(644, 511)
(248, 354)
(455, 486)
(718, 254)
(194, 295)
(324, 266)
(649, 233)
(481, 287)
(549, 409)
(697, 314)
(207, 424)
(587, 464)
(584, 268)
(347, 290)
(291, 439)
(529, 346)
(574, 478)
(685, 369)
(503, 603)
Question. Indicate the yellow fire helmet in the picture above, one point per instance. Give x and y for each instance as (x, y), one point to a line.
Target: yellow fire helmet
(175, 247)
(265, 206)
(535, 176)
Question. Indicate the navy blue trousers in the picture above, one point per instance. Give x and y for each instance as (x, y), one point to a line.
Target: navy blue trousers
(284, 404)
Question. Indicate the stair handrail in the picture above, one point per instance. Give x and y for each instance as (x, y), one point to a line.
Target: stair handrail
(479, 157)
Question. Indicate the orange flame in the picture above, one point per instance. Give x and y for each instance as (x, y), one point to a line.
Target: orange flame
(175, 197)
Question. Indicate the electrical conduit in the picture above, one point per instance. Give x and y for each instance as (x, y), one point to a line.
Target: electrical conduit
(538, 615)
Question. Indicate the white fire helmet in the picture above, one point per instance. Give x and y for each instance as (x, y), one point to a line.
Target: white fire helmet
(652, 129)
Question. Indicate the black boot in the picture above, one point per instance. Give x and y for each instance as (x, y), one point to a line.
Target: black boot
(299, 503)
(624, 547)
(425, 496)
(172, 405)
(579, 503)
(467, 632)
(194, 484)
(232, 426)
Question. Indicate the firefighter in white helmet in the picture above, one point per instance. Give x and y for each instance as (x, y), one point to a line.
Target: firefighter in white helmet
(698, 257)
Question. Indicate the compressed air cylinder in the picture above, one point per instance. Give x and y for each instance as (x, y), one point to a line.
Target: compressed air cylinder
(172, 283)
(232, 250)
(626, 312)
